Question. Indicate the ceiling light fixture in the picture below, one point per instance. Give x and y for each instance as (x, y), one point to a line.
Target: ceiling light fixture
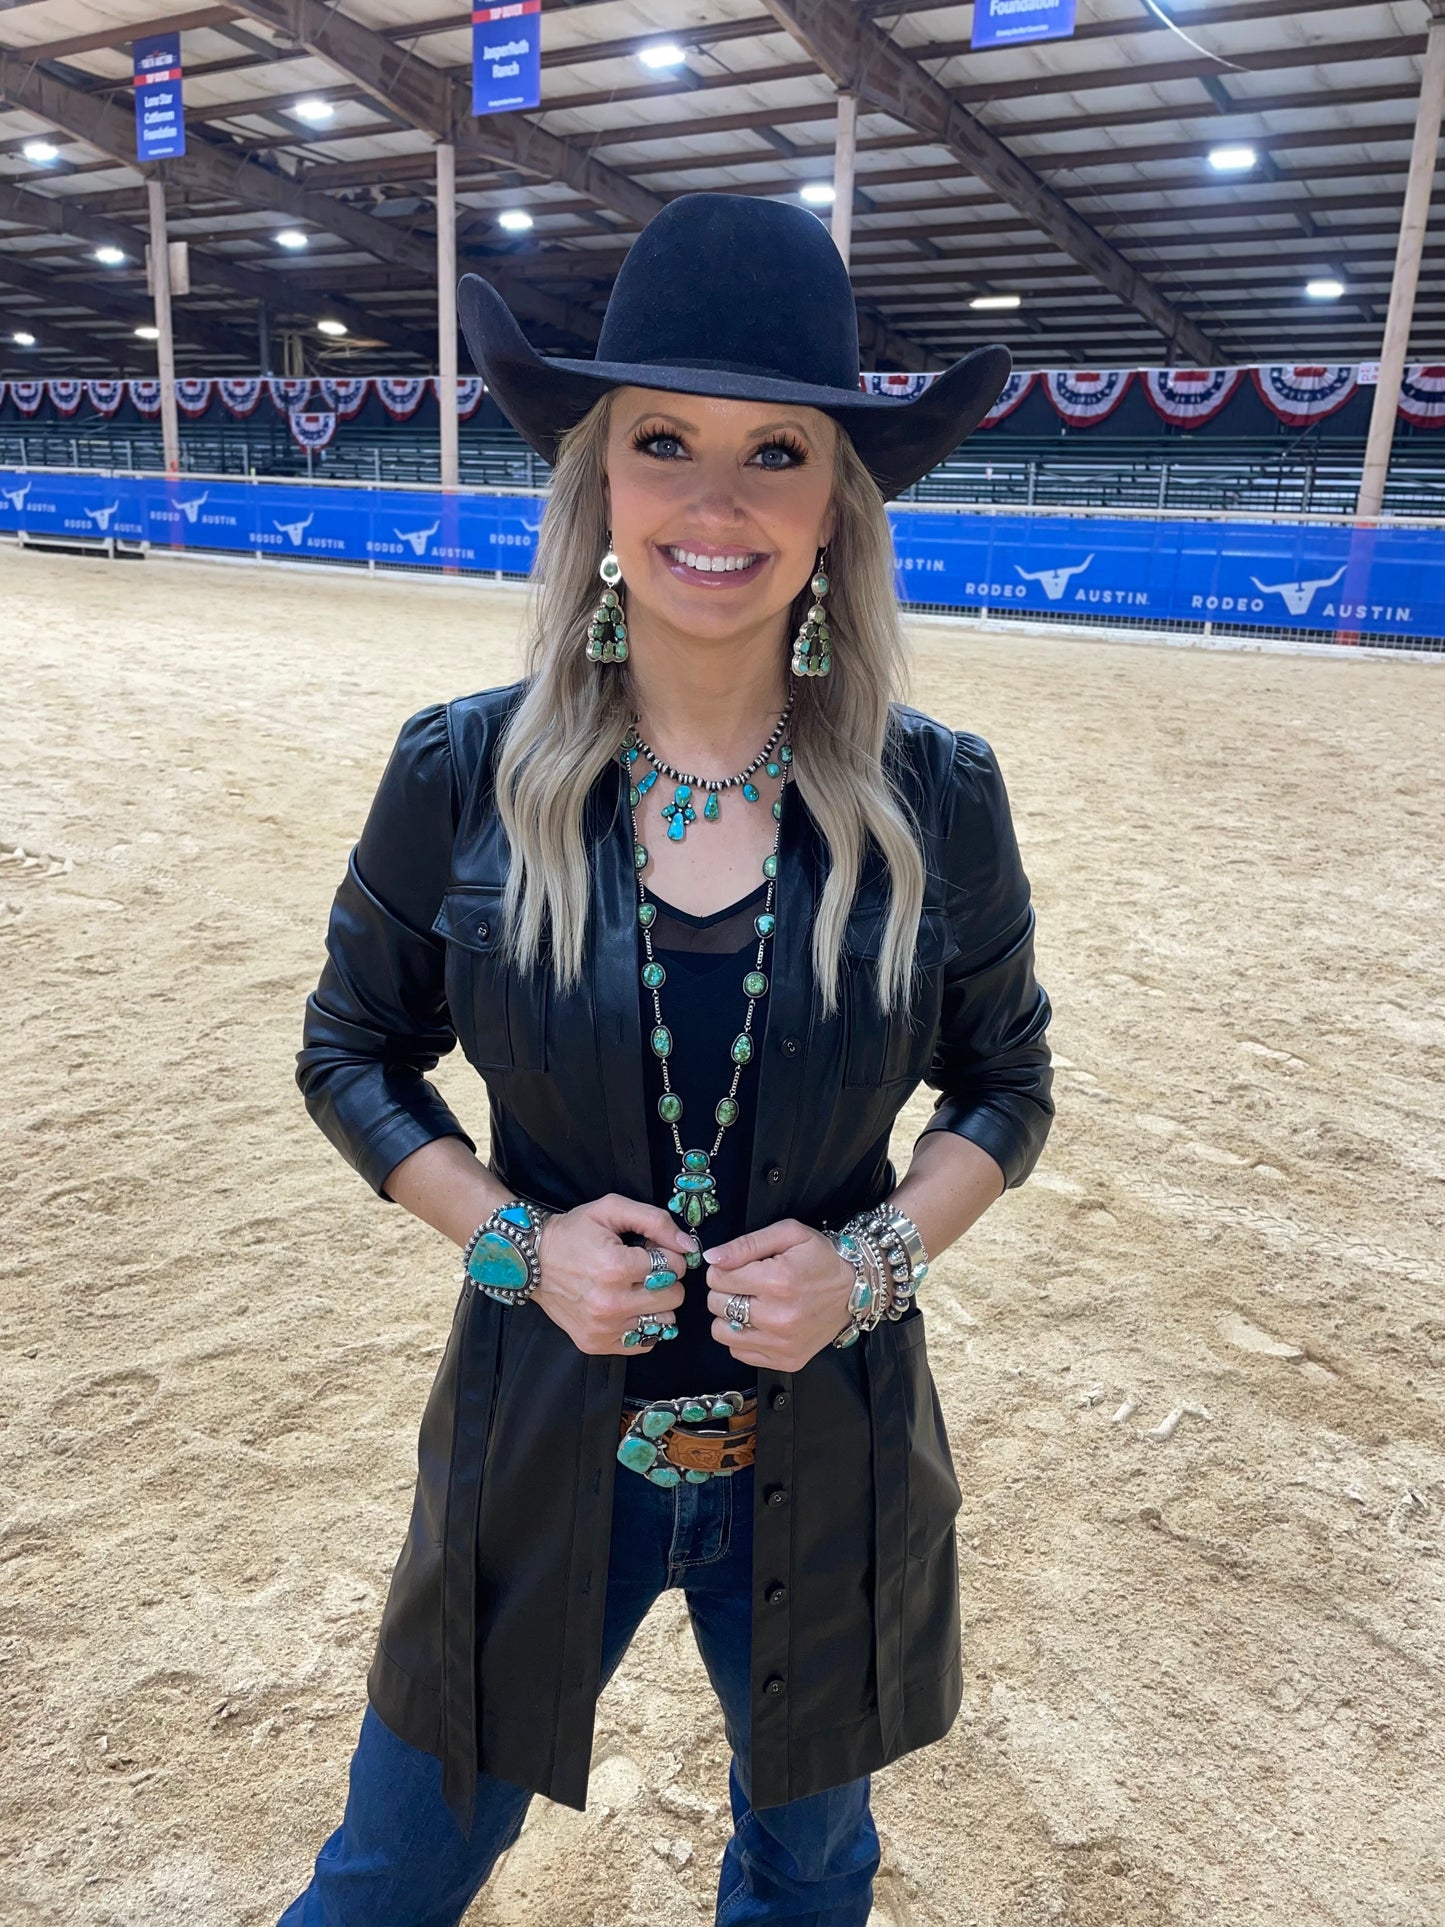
(291, 237)
(316, 111)
(516, 220)
(817, 193)
(42, 153)
(1325, 289)
(1232, 160)
(328, 326)
(109, 257)
(23, 338)
(995, 301)
(662, 55)
(147, 332)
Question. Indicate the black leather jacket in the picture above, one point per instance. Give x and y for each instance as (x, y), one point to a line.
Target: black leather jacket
(489, 1646)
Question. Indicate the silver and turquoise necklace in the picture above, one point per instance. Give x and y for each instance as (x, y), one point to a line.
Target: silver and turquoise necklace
(694, 1193)
(680, 811)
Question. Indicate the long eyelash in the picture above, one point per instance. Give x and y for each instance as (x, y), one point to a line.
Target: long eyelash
(783, 440)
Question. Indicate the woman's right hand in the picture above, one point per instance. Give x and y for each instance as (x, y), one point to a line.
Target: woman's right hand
(591, 1283)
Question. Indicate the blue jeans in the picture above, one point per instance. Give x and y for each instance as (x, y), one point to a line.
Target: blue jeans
(398, 1858)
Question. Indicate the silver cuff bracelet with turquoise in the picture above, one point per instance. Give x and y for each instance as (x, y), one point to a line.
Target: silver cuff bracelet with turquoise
(500, 1257)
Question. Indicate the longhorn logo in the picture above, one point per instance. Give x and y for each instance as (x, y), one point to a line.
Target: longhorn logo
(192, 509)
(294, 531)
(417, 538)
(1053, 581)
(101, 517)
(16, 496)
(1298, 595)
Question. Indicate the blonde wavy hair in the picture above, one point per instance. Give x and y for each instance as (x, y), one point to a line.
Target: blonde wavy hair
(569, 724)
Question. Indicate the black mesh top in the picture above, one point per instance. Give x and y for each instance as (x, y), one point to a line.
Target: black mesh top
(703, 1005)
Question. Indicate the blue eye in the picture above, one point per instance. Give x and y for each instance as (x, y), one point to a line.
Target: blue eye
(780, 455)
(664, 448)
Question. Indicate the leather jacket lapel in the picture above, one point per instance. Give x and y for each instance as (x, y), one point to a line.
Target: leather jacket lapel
(611, 969)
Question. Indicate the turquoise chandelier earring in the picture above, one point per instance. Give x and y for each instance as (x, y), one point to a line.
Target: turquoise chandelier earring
(607, 631)
(812, 654)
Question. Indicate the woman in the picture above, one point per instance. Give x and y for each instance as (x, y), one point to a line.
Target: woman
(703, 903)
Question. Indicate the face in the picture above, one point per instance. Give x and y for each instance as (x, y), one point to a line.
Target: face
(718, 508)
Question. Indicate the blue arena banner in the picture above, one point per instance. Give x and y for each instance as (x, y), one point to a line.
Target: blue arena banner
(160, 125)
(1323, 576)
(1003, 23)
(1268, 575)
(506, 57)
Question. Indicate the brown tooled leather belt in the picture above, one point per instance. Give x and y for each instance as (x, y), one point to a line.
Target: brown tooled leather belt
(716, 1445)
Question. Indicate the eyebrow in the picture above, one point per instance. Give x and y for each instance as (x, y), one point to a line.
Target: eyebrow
(666, 414)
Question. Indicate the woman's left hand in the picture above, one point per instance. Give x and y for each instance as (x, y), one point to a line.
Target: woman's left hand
(798, 1285)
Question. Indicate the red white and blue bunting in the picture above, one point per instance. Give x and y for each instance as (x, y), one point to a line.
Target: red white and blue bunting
(193, 395)
(289, 391)
(1015, 389)
(899, 387)
(1086, 396)
(470, 389)
(1189, 396)
(344, 395)
(311, 428)
(1301, 395)
(400, 395)
(1184, 397)
(239, 398)
(1422, 396)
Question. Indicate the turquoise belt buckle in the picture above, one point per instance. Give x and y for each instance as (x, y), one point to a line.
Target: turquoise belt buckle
(643, 1446)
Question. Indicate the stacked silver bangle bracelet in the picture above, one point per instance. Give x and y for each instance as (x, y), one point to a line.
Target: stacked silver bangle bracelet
(889, 1263)
(500, 1257)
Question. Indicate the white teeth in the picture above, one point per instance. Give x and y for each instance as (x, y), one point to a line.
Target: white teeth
(712, 564)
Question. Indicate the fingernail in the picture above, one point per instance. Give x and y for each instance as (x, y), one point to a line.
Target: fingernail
(714, 1253)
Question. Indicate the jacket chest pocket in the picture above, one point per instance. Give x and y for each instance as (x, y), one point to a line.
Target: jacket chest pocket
(893, 1047)
(500, 1015)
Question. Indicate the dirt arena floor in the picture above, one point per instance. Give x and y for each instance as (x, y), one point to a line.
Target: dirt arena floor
(1194, 1370)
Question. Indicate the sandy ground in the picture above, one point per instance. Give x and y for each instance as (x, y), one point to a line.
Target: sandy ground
(1203, 1670)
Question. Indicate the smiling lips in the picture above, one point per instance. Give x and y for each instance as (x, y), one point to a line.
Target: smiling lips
(712, 565)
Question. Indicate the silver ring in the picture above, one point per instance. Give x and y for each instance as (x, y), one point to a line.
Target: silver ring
(650, 1327)
(738, 1312)
(658, 1259)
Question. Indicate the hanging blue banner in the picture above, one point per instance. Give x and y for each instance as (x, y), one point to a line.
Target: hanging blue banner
(506, 57)
(160, 126)
(1003, 23)
(1318, 577)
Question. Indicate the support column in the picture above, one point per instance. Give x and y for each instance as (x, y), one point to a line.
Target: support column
(447, 311)
(165, 343)
(263, 338)
(844, 148)
(1413, 218)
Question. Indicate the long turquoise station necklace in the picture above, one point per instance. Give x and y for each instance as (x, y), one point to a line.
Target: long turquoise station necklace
(694, 1193)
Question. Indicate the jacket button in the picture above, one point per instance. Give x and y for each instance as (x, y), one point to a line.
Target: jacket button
(777, 1495)
(776, 1595)
(780, 1399)
(790, 1046)
(773, 1174)
(484, 930)
(774, 1685)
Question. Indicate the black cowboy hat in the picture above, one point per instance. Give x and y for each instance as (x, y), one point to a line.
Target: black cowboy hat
(722, 294)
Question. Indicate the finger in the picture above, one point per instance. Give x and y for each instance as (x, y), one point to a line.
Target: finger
(760, 1278)
(744, 1345)
(618, 1214)
(769, 1241)
(717, 1301)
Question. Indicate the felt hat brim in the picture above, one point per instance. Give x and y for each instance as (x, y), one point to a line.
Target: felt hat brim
(899, 441)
